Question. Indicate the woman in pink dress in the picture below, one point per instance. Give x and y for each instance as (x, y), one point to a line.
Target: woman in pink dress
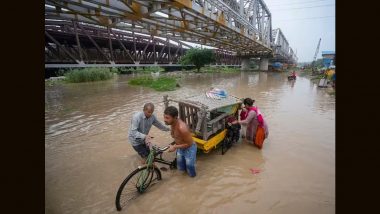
(253, 119)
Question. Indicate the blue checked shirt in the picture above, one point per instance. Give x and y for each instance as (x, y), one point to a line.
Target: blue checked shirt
(140, 126)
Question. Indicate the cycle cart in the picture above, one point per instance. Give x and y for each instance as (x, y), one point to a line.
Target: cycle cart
(206, 117)
(207, 120)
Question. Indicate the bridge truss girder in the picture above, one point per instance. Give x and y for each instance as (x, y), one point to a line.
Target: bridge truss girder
(70, 42)
(243, 27)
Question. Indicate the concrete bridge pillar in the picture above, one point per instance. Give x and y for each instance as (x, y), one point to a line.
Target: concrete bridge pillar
(264, 64)
(245, 64)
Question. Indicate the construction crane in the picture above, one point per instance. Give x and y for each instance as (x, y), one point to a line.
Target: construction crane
(315, 56)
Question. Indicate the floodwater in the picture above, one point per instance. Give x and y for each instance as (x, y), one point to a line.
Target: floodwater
(87, 154)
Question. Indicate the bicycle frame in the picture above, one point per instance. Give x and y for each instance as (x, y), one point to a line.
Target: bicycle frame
(156, 153)
(163, 161)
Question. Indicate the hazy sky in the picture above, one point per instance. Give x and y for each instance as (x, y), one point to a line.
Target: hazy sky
(303, 22)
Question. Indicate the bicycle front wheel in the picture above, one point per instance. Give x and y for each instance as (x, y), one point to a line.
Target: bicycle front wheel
(135, 184)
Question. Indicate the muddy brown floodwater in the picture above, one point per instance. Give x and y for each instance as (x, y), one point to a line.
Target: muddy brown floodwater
(87, 154)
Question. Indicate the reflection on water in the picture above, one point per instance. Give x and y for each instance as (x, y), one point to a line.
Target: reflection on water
(87, 154)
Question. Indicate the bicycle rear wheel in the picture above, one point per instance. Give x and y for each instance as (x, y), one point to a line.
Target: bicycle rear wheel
(135, 184)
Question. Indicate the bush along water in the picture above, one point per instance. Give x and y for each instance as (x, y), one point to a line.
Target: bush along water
(159, 84)
(88, 75)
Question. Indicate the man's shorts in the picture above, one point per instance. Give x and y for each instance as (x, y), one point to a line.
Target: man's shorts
(186, 159)
(142, 149)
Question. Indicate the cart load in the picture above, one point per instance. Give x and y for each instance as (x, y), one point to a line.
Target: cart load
(206, 114)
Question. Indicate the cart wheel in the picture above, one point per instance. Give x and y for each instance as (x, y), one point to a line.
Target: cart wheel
(224, 146)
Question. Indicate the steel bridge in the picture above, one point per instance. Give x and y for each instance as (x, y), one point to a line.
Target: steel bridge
(135, 32)
(281, 49)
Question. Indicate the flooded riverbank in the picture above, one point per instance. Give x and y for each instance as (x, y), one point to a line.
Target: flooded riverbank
(87, 154)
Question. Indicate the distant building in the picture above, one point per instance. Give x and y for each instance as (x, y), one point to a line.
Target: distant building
(328, 58)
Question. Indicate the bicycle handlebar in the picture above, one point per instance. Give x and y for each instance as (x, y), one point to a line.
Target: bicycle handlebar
(164, 148)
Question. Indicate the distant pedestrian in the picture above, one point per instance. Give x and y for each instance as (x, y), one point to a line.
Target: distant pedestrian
(333, 79)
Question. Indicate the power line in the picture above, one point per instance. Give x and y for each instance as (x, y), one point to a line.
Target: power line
(326, 5)
(305, 2)
(321, 17)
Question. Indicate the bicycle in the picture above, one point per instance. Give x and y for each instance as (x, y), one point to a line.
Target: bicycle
(141, 178)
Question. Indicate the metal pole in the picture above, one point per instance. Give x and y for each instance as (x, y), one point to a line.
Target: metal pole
(78, 42)
(110, 43)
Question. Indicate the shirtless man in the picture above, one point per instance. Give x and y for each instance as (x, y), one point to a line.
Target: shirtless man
(184, 144)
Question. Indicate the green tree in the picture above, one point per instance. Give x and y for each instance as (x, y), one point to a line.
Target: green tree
(198, 57)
